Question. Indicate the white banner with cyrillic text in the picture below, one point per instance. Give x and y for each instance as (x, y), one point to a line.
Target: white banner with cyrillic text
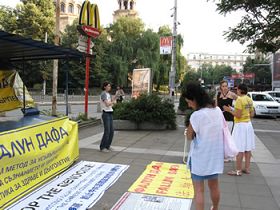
(137, 201)
(78, 188)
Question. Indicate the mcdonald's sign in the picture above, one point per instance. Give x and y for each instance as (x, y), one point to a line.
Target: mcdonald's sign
(165, 45)
(89, 20)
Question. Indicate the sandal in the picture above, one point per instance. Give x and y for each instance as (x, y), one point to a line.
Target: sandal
(246, 171)
(235, 173)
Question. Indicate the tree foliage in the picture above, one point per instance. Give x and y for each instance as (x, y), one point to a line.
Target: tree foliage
(214, 74)
(32, 19)
(260, 67)
(210, 74)
(259, 27)
(121, 47)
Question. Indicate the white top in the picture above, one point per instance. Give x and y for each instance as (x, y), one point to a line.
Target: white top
(207, 148)
(105, 97)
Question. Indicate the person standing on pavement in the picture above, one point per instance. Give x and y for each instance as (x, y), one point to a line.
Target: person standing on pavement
(225, 98)
(106, 103)
(206, 156)
(119, 94)
(243, 132)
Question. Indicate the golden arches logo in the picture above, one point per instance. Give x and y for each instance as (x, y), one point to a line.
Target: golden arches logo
(89, 15)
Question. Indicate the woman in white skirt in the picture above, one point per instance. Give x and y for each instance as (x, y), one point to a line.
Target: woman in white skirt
(243, 132)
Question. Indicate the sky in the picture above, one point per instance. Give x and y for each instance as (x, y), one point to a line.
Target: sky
(200, 24)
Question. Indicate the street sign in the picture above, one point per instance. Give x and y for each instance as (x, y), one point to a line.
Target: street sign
(165, 45)
(83, 42)
(89, 31)
(84, 49)
(244, 76)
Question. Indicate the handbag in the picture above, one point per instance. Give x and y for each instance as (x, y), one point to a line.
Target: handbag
(230, 149)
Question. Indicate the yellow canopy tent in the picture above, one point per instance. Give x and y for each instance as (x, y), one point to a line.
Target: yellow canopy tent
(12, 95)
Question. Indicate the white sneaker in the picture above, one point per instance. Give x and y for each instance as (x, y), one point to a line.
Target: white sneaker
(111, 149)
(104, 150)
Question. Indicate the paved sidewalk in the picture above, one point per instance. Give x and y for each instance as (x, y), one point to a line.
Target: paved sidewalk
(260, 190)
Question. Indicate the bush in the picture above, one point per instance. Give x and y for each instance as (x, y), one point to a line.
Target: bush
(147, 108)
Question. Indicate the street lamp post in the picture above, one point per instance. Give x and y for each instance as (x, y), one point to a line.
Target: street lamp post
(173, 55)
(55, 62)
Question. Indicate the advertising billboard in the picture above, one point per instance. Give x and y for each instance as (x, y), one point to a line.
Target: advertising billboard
(141, 82)
(276, 71)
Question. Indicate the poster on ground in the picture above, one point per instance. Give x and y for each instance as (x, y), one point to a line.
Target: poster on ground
(165, 179)
(141, 82)
(78, 188)
(11, 91)
(136, 201)
(32, 155)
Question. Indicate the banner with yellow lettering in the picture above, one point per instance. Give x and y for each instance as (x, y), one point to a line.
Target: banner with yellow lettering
(31, 155)
(11, 91)
(166, 179)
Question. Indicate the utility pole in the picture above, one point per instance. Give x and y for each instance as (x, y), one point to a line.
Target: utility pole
(173, 54)
(55, 62)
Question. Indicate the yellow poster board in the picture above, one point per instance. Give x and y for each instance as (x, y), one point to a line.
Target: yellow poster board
(166, 179)
(31, 155)
(11, 91)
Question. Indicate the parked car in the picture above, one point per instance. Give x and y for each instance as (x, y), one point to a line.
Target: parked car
(274, 94)
(264, 104)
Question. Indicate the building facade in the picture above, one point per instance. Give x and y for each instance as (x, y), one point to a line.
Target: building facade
(236, 61)
(69, 11)
(126, 8)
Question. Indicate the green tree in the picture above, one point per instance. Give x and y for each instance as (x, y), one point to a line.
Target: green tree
(124, 34)
(214, 74)
(147, 53)
(191, 75)
(259, 27)
(30, 18)
(8, 19)
(122, 47)
(260, 67)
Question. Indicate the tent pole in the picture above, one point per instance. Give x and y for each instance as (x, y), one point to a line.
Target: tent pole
(23, 86)
(66, 84)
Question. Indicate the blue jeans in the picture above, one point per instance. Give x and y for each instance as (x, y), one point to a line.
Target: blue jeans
(108, 135)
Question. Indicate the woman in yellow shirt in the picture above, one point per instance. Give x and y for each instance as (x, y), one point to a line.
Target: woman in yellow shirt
(243, 132)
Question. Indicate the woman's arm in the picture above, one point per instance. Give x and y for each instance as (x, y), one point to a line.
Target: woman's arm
(236, 113)
(108, 103)
(233, 95)
(190, 132)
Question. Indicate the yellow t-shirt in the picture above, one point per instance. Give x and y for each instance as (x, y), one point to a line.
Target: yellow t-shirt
(245, 104)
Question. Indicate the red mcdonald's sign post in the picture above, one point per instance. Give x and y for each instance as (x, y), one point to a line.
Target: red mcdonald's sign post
(89, 25)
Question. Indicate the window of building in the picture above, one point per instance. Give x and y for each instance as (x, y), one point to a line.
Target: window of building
(62, 7)
(70, 8)
(78, 9)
